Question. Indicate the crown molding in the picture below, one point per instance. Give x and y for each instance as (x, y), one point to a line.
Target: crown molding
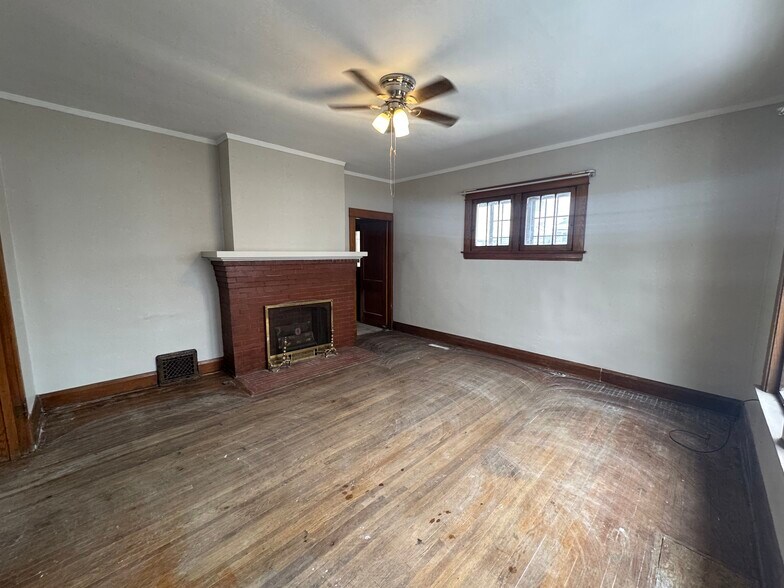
(276, 147)
(206, 140)
(365, 176)
(103, 118)
(601, 137)
(160, 130)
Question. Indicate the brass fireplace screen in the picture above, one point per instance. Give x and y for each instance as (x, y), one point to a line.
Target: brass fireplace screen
(297, 331)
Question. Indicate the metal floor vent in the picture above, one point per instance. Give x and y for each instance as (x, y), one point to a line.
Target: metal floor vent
(177, 366)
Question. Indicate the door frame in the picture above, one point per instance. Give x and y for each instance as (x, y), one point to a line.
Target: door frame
(13, 404)
(355, 214)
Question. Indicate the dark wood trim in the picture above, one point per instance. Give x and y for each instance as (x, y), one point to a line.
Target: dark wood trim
(13, 404)
(210, 366)
(528, 186)
(516, 249)
(35, 422)
(468, 227)
(109, 388)
(352, 246)
(544, 256)
(352, 233)
(97, 391)
(355, 214)
(672, 392)
(390, 260)
(372, 214)
(774, 360)
(659, 389)
(562, 365)
(580, 212)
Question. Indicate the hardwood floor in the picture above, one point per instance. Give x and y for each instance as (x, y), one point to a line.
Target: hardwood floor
(425, 467)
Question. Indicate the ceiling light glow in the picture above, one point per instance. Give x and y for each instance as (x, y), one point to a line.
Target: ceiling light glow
(381, 122)
(400, 122)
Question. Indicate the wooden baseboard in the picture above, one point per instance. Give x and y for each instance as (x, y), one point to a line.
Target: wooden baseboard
(660, 389)
(211, 366)
(103, 390)
(714, 402)
(34, 422)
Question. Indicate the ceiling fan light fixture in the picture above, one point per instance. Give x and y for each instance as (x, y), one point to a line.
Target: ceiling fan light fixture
(381, 122)
(400, 122)
(395, 91)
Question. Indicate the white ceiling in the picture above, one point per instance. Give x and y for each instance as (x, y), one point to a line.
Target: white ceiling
(530, 73)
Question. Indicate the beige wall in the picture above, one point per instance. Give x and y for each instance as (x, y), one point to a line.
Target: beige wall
(368, 194)
(225, 185)
(106, 224)
(681, 222)
(281, 201)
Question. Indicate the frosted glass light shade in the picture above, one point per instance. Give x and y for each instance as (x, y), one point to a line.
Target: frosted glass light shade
(400, 122)
(381, 122)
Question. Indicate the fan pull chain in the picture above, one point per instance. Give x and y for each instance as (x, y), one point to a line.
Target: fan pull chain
(392, 158)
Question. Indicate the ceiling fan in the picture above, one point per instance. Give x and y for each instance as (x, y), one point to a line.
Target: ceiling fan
(401, 99)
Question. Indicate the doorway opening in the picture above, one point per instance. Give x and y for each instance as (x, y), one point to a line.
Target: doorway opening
(371, 231)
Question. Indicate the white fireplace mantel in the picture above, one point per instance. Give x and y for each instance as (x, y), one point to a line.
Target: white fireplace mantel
(280, 255)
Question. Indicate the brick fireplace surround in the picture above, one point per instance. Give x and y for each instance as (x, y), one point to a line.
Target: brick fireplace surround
(246, 287)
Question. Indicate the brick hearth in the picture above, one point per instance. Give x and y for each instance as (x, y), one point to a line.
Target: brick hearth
(246, 287)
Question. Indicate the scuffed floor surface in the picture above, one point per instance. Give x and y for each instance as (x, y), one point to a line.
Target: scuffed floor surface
(424, 467)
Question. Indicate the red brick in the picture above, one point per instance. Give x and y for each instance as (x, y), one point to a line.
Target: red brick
(245, 288)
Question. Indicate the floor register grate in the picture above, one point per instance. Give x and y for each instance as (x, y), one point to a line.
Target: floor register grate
(177, 366)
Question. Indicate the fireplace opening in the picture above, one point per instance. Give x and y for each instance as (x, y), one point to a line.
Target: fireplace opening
(298, 331)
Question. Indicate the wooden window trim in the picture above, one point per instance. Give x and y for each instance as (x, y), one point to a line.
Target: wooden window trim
(469, 238)
(516, 249)
(774, 360)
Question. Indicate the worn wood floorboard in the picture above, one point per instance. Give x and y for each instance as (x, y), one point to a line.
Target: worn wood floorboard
(423, 467)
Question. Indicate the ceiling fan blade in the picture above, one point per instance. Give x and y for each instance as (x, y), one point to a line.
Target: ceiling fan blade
(435, 88)
(353, 106)
(363, 80)
(440, 118)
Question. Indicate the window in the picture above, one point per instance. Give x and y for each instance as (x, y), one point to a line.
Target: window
(538, 220)
(547, 219)
(773, 374)
(493, 220)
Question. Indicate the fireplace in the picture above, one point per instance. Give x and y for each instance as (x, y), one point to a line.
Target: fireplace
(298, 330)
(250, 282)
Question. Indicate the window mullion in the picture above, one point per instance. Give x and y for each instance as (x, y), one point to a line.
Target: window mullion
(518, 223)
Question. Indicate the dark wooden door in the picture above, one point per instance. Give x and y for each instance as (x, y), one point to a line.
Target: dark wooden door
(374, 272)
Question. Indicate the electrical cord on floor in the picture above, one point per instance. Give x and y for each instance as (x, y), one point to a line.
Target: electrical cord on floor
(706, 437)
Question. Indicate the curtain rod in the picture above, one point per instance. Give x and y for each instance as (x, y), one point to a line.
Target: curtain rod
(586, 172)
